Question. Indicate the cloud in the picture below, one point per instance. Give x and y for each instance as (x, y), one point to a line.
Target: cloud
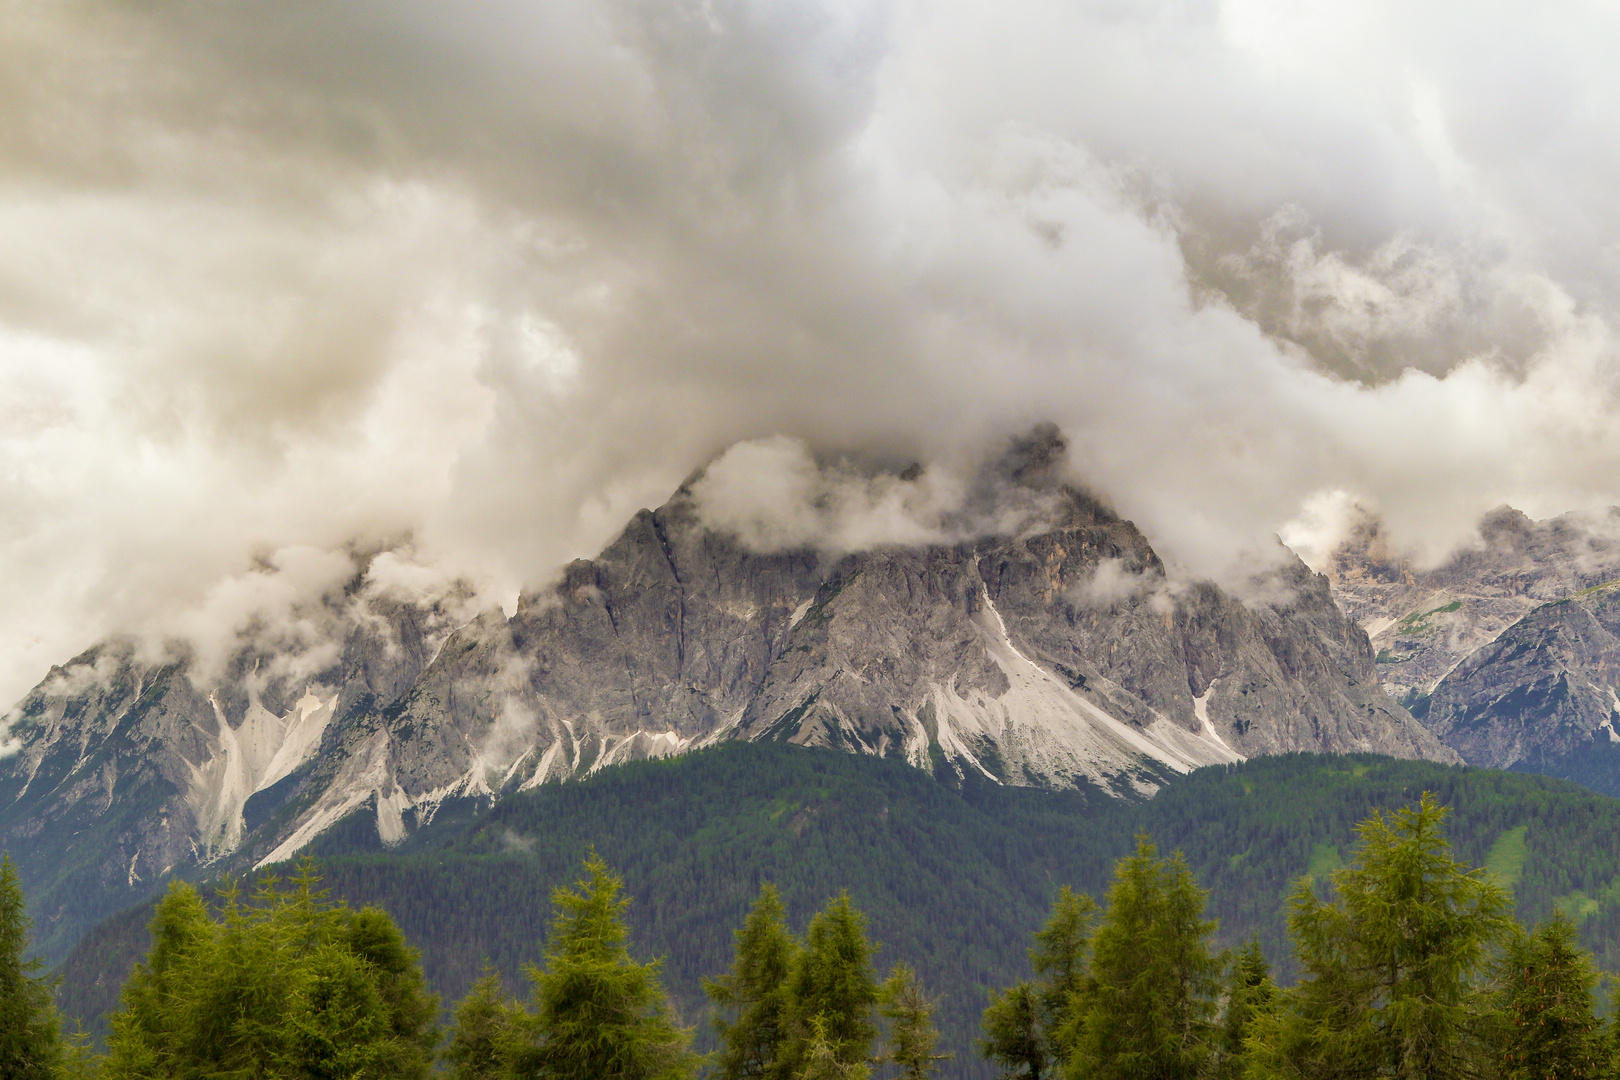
(1112, 582)
(774, 496)
(293, 277)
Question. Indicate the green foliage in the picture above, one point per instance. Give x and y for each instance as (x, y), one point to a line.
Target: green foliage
(1416, 623)
(282, 985)
(1549, 1027)
(1393, 966)
(79, 1060)
(1250, 995)
(834, 990)
(1021, 1025)
(30, 1034)
(952, 880)
(1507, 856)
(912, 1035)
(824, 1060)
(756, 992)
(483, 1039)
(597, 1013)
(1059, 957)
(1150, 1000)
(1015, 1036)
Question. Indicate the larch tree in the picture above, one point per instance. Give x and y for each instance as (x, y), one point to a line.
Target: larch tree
(1250, 993)
(1021, 1024)
(30, 1032)
(1393, 968)
(598, 1014)
(1013, 1036)
(1151, 997)
(912, 1034)
(1546, 1000)
(481, 1042)
(834, 991)
(823, 1061)
(755, 992)
(281, 984)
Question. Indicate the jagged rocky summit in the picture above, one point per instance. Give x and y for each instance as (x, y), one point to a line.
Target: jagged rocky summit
(1057, 654)
(1509, 650)
(1424, 622)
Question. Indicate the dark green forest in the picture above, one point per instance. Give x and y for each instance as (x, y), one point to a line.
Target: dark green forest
(952, 880)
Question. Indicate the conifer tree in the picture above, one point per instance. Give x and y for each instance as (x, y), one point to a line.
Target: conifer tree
(282, 984)
(1151, 999)
(30, 1032)
(1393, 968)
(1014, 1036)
(1249, 994)
(912, 1034)
(480, 1046)
(374, 939)
(148, 1032)
(1060, 957)
(833, 991)
(1550, 1029)
(823, 1060)
(756, 991)
(79, 1060)
(598, 1014)
(1022, 1022)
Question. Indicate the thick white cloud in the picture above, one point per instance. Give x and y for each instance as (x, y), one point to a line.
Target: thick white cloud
(283, 276)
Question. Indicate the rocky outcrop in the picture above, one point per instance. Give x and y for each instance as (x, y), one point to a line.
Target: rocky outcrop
(126, 770)
(1544, 696)
(1059, 656)
(1422, 623)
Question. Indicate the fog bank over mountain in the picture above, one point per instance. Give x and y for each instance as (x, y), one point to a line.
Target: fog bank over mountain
(286, 283)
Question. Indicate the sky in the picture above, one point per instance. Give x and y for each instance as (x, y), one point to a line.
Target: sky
(282, 281)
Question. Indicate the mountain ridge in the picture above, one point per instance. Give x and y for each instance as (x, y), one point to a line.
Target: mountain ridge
(1057, 653)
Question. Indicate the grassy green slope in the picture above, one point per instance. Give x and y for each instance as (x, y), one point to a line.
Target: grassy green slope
(953, 881)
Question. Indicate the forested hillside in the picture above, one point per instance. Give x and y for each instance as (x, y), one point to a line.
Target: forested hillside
(953, 881)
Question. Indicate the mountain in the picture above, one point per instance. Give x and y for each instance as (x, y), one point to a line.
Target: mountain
(953, 879)
(1052, 650)
(1544, 696)
(126, 770)
(1509, 651)
(1422, 623)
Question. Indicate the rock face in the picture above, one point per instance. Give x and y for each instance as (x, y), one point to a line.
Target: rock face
(1423, 623)
(126, 770)
(1508, 651)
(1542, 693)
(1060, 655)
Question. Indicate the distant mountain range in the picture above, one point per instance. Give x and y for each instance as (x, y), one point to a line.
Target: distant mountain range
(1052, 652)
